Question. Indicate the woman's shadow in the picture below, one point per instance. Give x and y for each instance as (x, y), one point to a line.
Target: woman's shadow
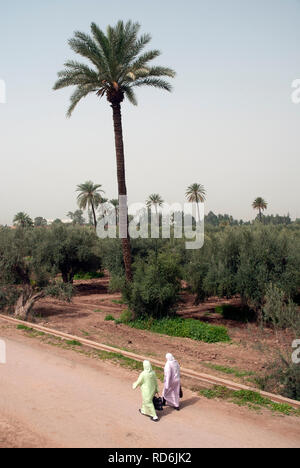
(183, 404)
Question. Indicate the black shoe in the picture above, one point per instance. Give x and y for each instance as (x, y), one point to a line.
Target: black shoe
(177, 408)
(164, 402)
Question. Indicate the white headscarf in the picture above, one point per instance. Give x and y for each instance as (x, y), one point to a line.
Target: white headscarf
(147, 366)
(170, 357)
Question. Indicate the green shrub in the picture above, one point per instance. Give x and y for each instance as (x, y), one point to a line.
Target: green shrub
(60, 290)
(111, 256)
(109, 317)
(282, 376)
(278, 311)
(187, 328)
(126, 316)
(116, 283)
(154, 291)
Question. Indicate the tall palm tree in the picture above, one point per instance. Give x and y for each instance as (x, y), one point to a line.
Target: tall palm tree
(23, 220)
(196, 193)
(259, 204)
(118, 66)
(115, 203)
(154, 200)
(89, 197)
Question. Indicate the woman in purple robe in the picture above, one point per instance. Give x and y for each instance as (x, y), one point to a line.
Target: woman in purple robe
(171, 382)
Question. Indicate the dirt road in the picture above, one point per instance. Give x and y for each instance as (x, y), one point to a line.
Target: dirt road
(55, 398)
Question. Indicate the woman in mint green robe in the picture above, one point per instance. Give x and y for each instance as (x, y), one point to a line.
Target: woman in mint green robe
(148, 383)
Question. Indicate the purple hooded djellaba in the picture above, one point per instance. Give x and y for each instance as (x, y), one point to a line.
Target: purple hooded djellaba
(172, 381)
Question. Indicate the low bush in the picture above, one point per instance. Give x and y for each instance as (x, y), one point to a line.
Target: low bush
(109, 317)
(187, 328)
(126, 316)
(279, 311)
(116, 283)
(283, 377)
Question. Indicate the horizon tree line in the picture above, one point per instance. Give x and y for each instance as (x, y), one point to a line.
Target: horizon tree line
(90, 198)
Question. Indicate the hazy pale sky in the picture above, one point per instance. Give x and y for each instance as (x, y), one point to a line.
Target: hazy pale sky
(229, 124)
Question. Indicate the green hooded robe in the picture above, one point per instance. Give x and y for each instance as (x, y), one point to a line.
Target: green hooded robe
(148, 383)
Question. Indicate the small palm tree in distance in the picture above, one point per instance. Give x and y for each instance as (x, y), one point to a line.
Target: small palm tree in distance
(259, 204)
(89, 197)
(196, 193)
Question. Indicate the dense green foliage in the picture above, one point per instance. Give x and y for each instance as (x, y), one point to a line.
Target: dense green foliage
(245, 260)
(69, 250)
(261, 263)
(187, 328)
(155, 288)
(279, 311)
(32, 259)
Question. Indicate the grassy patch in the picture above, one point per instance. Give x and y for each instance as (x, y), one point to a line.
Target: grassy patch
(23, 327)
(229, 370)
(187, 328)
(253, 400)
(85, 333)
(89, 275)
(74, 343)
(117, 301)
(30, 331)
(109, 317)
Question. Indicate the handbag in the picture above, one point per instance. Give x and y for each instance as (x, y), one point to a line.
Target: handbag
(180, 392)
(158, 403)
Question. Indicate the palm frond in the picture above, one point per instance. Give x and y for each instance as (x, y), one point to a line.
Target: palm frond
(101, 40)
(156, 83)
(79, 93)
(161, 71)
(74, 78)
(84, 45)
(130, 94)
(144, 59)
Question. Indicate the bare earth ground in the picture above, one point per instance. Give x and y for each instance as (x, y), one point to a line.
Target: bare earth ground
(52, 397)
(251, 349)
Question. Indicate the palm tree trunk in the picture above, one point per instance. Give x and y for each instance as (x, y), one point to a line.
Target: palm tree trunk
(198, 213)
(94, 215)
(117, 118)
(260, 214)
